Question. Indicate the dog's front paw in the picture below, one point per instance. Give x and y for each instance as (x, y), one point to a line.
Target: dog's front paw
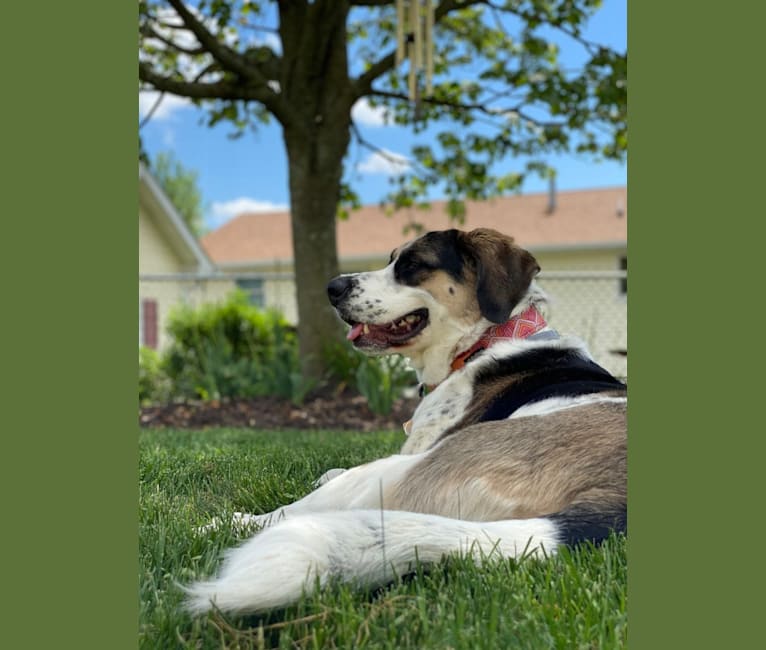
(240, 522)
(329, 475)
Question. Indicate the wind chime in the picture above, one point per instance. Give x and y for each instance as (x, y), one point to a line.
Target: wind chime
(414, 41)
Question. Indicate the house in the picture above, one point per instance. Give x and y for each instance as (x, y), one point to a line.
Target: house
(172, 267)
(578, 237)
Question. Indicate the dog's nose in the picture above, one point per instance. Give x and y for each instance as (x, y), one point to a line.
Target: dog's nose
(338, 288)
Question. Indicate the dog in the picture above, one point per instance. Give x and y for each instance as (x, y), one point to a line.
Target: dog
(519, 444)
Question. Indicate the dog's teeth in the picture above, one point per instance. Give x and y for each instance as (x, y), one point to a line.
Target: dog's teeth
(411, 318)
(366, 329)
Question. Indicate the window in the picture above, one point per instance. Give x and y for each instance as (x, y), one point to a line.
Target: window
(623, 265)
(254, 290)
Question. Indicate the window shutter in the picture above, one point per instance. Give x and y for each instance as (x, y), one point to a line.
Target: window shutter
(150, 323)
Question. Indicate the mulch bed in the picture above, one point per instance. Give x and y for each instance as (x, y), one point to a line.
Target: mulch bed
(344, 411)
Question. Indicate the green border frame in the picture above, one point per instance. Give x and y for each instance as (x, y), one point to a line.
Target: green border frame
(70, 312)
(693, 69)
(69, 269)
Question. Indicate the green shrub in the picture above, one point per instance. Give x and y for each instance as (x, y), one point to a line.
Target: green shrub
(342, 361)
(233, 349)
(249, 331)
(153, 384)
(282, 375)
(381, 380)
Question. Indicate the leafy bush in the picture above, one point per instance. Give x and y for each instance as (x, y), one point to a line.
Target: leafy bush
(282, 375)
(153, 384)
(381, 380)
(342, 361)
(233, 349)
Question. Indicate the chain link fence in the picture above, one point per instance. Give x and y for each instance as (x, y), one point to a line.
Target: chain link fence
(591, 305)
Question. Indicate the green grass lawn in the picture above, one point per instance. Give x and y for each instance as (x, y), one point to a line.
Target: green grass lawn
(576, 599)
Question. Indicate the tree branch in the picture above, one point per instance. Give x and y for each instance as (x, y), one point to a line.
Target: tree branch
(363, 142)
(147, 31)
(254, 85)
(592, 47)
(151, 111)
(258, 28)
(211, 67)
(481, 108)
(362, 85)
(197, 90)
(227, 57)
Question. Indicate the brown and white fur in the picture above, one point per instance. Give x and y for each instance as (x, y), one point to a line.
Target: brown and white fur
(552, 473)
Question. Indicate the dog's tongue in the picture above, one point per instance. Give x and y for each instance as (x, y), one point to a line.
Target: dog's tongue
(355, 332)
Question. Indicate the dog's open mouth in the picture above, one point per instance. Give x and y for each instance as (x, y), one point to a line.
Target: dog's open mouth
(389, 335)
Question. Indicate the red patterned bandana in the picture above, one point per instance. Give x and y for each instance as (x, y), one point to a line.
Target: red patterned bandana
(525, 324)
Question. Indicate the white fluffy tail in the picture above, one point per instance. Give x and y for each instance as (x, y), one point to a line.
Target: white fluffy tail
(364, 547)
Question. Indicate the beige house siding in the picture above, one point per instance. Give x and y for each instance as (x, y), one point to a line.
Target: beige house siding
(155, 255)
(279, 294)
(165, 294)
(602, 259)
(278, 285)
(172, 269)
(169, 294)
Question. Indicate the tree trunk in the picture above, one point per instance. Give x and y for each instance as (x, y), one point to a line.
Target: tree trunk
(313, 205)
(317, 85)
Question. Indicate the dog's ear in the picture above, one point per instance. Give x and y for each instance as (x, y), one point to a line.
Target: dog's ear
(504, 271)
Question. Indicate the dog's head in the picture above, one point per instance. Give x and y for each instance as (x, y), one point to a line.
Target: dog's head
(436, 292)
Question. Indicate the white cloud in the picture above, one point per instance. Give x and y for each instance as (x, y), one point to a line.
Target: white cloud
(222, 211)
(363, 113)
(169, 105)
(384, 162)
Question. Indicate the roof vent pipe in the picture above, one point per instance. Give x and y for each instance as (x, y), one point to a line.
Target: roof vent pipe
(620, 208)
(551, 195)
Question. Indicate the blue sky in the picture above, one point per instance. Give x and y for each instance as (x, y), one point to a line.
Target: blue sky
(250, 173)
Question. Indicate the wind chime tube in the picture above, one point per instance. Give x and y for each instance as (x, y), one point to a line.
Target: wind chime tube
(412, 47)
(400, 20)
(417, 28)
(429, 47)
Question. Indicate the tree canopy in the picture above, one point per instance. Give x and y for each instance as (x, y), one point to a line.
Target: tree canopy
(181, 187)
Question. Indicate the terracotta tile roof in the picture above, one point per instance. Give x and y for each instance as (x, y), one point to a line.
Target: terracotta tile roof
(582, 217)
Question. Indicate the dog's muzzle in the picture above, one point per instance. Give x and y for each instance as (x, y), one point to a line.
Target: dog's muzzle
(368, 335)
